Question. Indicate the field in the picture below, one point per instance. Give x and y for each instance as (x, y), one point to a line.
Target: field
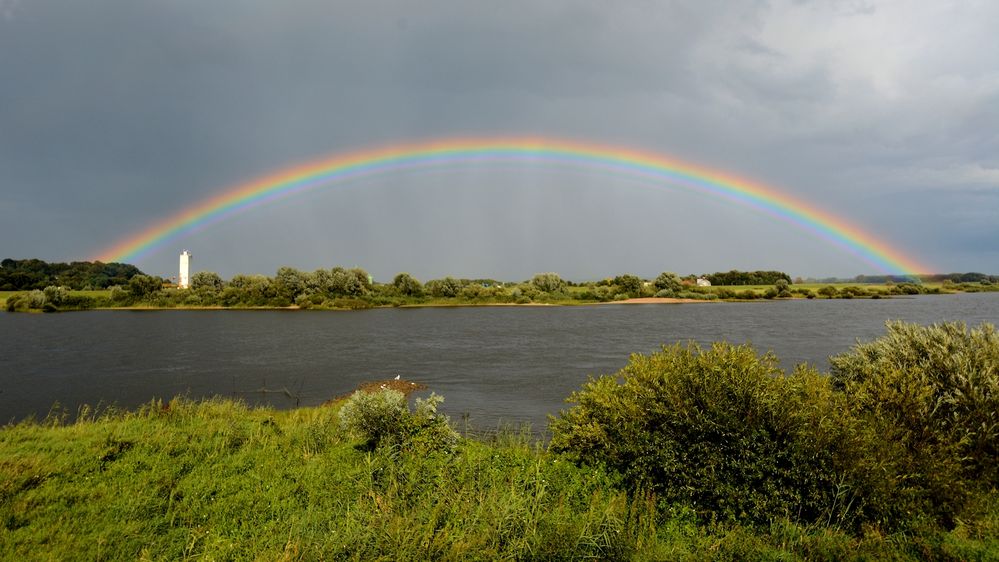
(217, 480)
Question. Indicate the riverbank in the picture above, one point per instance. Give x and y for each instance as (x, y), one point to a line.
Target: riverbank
(216, 479)
(99, 301)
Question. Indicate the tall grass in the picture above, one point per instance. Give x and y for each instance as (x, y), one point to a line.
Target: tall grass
(219, 480)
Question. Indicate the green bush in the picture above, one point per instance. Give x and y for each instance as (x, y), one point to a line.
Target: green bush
(724, 432)
(383, 418)
(933, 394)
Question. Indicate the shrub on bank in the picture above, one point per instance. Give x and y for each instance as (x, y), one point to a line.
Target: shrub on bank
(905, 431)
(932, 393)
(721, 430)
(383, 418)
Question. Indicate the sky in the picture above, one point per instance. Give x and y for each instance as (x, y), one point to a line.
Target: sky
(115, 114)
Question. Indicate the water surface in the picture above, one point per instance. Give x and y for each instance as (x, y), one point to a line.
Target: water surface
(490, 363)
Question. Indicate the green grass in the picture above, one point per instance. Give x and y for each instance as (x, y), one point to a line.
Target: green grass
(218, 480)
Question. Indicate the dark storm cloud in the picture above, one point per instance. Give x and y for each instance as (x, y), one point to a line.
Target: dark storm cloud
(115, 113)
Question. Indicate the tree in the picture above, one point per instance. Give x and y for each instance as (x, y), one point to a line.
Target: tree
(828, 291)
(548, 282)
(782, 288)
(55, 295)
(362, 277)
(407, 285)
(668, 281)
(447, 287)
(629, 284)
(345, 282)
(289, 282)
(254, 290)
(143, 285)
(319, 282)
(207, 281)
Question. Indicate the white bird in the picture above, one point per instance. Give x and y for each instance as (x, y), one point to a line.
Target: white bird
(397, 377)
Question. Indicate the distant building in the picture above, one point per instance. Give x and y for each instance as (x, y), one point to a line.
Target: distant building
(702, 282)
(184, 279)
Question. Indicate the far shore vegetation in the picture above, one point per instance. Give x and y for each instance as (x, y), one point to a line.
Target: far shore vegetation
(34, 285)
(689, 453)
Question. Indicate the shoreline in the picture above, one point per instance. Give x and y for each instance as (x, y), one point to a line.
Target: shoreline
(641, 300)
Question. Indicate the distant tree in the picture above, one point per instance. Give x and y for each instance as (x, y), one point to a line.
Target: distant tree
(782, 287)
(345, 282)
(362, 277)
(141, 286)
(251, 290)
(37, 274)
(735, 277)
(119, 295)
(56, 295)
(320, 281)
(447, 287)
(629, 284)
(407, 284)
(289, 283)
(668, 282)
(828, 291)
(548, 282)
(207, 281)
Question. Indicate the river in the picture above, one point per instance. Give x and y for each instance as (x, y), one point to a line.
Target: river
(492, 364)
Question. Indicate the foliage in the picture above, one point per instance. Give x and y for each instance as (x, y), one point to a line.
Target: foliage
(721, 430)
(446, 287)
(548, 282)
(933, 394)
(289, 283)
(735, 277)
(630, 285)
(407, 285)
(828, 291)
(144, 285)
(905, 431)
(349, 282)
(207, 281)
(19, 275)
(383, 418)
(218, 480)
(668, 284)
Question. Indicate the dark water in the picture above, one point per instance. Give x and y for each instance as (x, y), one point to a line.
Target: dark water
(501, 363)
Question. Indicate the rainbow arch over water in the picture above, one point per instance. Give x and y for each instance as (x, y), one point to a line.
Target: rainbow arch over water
(645, 166)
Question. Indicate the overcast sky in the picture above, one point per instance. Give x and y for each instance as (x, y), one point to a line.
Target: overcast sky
(118, 113)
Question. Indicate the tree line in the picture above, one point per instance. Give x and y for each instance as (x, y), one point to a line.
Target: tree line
(25, 275)
(734, 277)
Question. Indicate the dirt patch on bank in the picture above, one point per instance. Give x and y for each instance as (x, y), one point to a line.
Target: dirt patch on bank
(655, 300)
(403, 386)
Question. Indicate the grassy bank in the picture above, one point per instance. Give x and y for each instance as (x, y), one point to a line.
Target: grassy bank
(215, 479)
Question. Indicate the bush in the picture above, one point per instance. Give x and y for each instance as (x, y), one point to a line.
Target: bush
(407, 285)
(933, 393)
(383, 419)
(668, 281)
(829, 291)
(16, 303)
(447, 287)
(725, 433)
(548, 283)
(56, 295)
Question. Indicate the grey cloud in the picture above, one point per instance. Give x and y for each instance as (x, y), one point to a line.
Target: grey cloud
(115, 113)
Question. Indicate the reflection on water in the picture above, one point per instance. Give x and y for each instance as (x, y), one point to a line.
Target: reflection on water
(495, 363)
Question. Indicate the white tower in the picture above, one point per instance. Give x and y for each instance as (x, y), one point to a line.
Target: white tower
(184, 280)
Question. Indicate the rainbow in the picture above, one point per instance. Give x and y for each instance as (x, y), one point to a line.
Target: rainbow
(644, 166)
